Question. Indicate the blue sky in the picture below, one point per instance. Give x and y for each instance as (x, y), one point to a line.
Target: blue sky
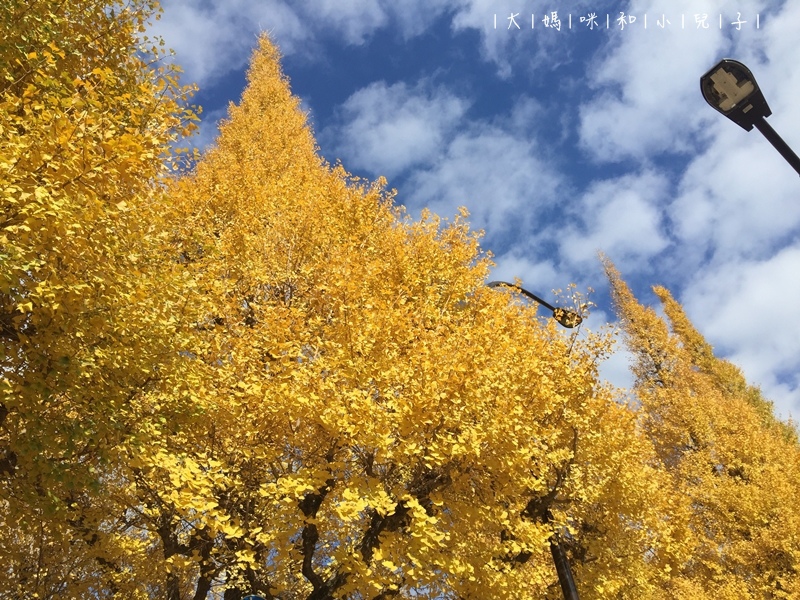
(560, 142)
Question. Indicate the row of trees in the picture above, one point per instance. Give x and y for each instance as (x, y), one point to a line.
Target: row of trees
(259, 375)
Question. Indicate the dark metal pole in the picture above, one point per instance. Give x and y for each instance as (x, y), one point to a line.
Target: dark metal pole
(567, 319)
(562, 568)
(777, 141)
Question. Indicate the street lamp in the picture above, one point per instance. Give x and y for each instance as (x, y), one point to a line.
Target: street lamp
(569, 319)
(565, 317)
(730, 88)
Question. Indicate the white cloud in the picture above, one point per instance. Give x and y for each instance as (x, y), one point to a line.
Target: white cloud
(539, 276)
(620, 217)
(215, 37)
(779, 45)
(489, 18)
(738, 199)
(501, 178)
(413, 17)
(421, 131)
(746, 308)
(212, 39)
(386, 129)
(356, 22)
(518, 44)
(353, 22)
(646, 97)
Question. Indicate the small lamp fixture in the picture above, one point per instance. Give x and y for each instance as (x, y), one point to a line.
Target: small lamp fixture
(730, 88)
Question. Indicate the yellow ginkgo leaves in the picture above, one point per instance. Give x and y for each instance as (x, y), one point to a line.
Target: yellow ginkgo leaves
(263, 376)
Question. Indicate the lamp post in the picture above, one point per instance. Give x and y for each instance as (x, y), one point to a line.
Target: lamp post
(562, 568)
(569, 319)
(730, 88)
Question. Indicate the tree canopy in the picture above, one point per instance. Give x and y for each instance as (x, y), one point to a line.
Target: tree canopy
(735, 468)
(259, 375)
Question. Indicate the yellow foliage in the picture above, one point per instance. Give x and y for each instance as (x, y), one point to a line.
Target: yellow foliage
(734, 466)
(263, 376)
(89, 305)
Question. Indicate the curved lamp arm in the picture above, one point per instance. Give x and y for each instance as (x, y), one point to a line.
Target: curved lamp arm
(566, 318)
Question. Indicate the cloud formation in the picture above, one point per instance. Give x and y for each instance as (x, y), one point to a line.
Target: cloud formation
(388, 129)
(620, 217)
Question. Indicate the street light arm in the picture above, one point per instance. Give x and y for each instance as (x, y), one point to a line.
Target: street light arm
(523, 291)
(566, 318)
(777, 141)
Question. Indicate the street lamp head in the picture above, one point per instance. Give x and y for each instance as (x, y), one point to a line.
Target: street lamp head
(567, 318)
(730, 88)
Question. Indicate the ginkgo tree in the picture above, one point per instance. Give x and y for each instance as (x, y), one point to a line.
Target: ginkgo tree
(734, 467)
(383, 424)
(89, 305)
